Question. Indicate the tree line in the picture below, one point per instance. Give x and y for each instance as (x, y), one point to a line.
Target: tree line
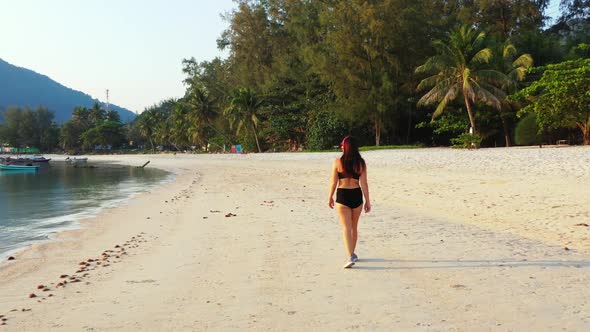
(302, 74)
(88, 130)
(306, 73)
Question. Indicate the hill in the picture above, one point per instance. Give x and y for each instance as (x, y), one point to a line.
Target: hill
(23, 87)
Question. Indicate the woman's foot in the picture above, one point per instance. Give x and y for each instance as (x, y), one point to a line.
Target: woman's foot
(354, 257)
(349, 264)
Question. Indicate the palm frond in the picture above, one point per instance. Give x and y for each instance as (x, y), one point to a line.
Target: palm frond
(449, 96)
(491, 76)
(436, 93)
(509, 51)
(525, 61)
(481, 57)
(429, 82)
(486, 97)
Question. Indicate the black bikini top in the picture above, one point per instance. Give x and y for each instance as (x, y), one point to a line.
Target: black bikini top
(343, 176)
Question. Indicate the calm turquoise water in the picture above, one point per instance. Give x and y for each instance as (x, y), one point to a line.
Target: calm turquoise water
(35, 205)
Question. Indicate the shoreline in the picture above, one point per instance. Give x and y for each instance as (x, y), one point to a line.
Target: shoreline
(274, 263)
(77, 222)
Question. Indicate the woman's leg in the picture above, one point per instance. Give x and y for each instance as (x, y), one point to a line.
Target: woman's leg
(355, 214)
(345, 215)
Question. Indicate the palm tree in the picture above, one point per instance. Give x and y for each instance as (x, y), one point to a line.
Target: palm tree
(178, 126)
(515, 68)
(243, 111)
(96, 114)
(145, 124)
(461, 68)
(80, 116)
(202, 113)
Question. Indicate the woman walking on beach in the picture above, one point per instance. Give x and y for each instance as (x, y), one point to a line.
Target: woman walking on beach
(349, 174)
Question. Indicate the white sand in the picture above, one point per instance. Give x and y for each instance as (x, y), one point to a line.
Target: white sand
(456, 241)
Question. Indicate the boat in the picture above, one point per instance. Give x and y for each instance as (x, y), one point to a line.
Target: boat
(24, 160)
(77, 160)
(38, 159)
(8, 167)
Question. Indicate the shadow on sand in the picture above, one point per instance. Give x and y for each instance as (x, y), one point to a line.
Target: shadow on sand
(397, 264)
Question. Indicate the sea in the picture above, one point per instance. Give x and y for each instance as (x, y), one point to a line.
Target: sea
(35, 205)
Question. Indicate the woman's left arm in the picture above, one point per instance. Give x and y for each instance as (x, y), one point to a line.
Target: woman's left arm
(365, 188)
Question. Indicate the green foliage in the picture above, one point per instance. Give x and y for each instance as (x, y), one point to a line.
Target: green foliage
(561, 97)
(355, 60)
(461, 68)
(543, 46)
(502, 17)
(466, 141)
(243, 112)
(581, 51)
(324, 131)
(106, 134)
(390, 147)
(92, 127)
(527, 131)
(29, 128)
(450, 122)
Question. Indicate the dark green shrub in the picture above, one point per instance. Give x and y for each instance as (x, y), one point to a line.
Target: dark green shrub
(527, 131)
(325, 130)
(466, 141)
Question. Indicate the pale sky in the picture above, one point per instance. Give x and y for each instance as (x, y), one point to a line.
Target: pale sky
(134, 48)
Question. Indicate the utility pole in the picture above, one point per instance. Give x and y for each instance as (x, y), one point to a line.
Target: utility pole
(107, 101)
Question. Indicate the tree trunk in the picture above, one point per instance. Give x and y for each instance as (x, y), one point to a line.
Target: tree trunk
(585, 128)
(152, 143)
(470, 113)
(377, 133)
(506, 132)
(256, 137)
(409, 125)
(174, 145)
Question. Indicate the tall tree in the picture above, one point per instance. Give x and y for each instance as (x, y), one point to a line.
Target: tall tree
(461, 68)
(112, 116)
(243, 112)
(250, 42)
(201, 114)
(507, 61)
(96, 114)
(561, 97)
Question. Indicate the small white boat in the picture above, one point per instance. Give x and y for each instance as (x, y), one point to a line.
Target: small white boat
(76, 161)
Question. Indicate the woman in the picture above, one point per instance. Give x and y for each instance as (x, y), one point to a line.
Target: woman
(349, 173)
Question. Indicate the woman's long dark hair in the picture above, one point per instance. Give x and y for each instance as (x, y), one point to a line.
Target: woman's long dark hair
(351, 160)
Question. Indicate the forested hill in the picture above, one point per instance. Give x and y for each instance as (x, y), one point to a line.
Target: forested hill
(23, 87)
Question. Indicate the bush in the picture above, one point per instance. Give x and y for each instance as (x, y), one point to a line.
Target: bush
(325, 130)
(466, 141)
(527, 131)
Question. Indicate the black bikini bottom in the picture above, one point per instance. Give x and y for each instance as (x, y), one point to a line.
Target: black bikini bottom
(352, 198)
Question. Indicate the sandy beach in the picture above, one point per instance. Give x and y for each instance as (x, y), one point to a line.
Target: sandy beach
(486, 240)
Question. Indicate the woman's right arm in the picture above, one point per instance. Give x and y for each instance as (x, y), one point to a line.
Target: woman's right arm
(365, 188)
(333, 184)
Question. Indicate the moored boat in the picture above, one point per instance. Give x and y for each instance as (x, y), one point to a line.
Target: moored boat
(76, 161)
(7, 167)
(38, 159)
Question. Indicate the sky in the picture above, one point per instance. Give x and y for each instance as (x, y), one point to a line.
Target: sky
(134, 48)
